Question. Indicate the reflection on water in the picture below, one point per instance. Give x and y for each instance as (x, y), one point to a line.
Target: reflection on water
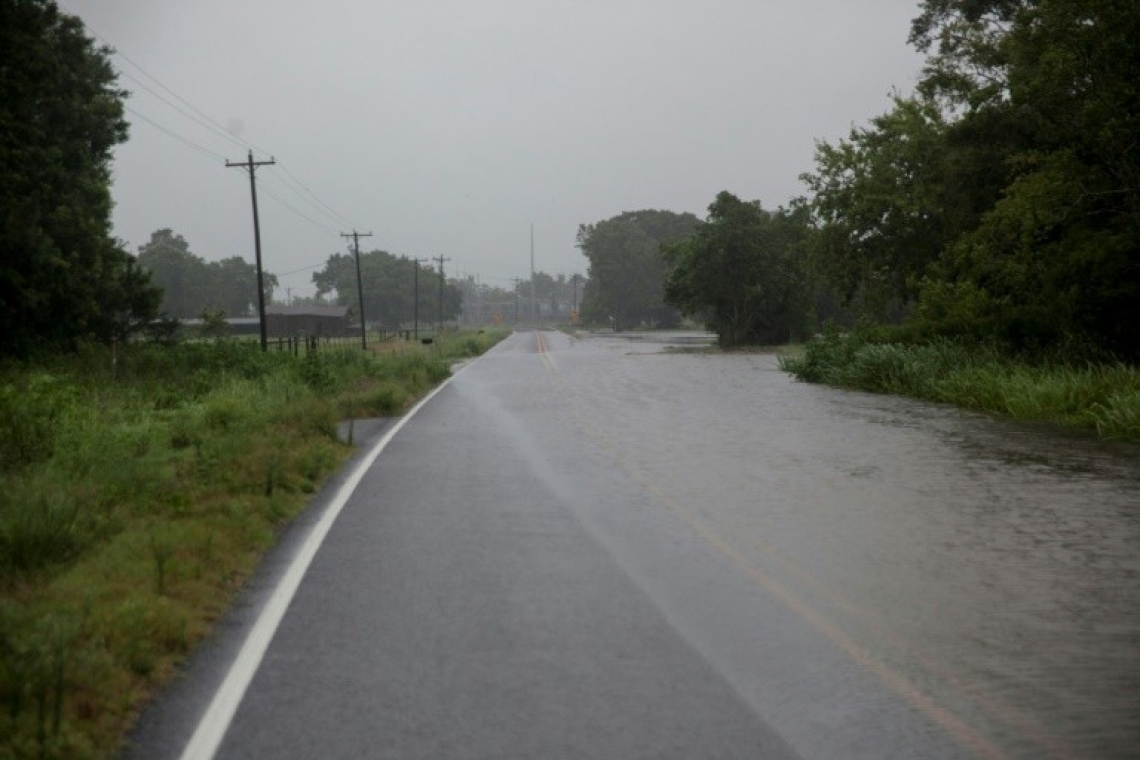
(994, 564)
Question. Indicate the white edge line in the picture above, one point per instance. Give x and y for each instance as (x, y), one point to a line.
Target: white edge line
(216, 720)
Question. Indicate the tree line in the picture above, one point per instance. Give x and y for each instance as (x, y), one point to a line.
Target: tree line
(192, 286)
(397, 289)
(1000, 200)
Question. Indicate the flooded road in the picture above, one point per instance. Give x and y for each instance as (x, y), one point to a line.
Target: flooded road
(984, 572)
(606, 548)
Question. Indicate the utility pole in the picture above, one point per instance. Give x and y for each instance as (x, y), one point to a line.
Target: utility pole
(441, 259)
(533, 303)
(517, 281)
(416, 297)
(359, 284)
(251, 166)
(575, 279)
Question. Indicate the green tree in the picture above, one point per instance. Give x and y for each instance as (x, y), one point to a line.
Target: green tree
(180, 274)
(1057, 255)
(389, 284)
(191, 285)
(1005, 196)
(62, 277)
(880, 203)
(743, 272)
(966, 63)
(627, 269)
(233, 286)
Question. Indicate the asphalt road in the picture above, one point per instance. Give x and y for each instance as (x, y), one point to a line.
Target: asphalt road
(511, 578)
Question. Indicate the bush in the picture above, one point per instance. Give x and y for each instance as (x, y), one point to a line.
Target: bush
(980, 375)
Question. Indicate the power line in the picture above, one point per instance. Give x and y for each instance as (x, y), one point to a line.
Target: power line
(219, 157)
(330, 210)
(203, 115)
(203, 120)
(336, 219)
(298, 212)
(302, 269)
(171, 133)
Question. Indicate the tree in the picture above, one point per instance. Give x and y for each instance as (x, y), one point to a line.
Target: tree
(966, 65)
(191, 285)
(1005, 196)
(1056, 255)
(882, 206)
(62, 277)
(743, 272)
(388, 282)
(179, 273)
(627, 270)
(233, 286)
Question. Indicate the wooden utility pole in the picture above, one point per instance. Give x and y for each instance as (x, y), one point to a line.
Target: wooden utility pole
(575, 279)
(533, 303)
(359, 284)
(251, 166)
(416, 297)
(441, 259)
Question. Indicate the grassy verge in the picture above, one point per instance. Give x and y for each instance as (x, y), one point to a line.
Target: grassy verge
(1101, 396)
(135, 499)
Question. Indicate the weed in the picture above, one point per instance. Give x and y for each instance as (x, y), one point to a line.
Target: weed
(38, 521)
(161, 550)
(979, 376)
(1119, 416)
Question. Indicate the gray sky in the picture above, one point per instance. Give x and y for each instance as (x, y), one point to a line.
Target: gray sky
(450, 126)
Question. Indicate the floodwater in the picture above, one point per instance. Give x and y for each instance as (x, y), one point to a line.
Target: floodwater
(985, 571)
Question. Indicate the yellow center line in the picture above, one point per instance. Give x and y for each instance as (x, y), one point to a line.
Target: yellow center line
(543, 351)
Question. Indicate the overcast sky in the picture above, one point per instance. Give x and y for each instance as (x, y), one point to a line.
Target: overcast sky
(448, 127)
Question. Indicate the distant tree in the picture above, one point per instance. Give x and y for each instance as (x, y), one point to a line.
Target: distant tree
(388, 284)
(181, 274)
(743, 272)
(233, 286)
(626, 268)
(62, 277)
(552, 293)
(191, 285)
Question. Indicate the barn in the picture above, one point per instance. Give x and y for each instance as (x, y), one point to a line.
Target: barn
(323, 321)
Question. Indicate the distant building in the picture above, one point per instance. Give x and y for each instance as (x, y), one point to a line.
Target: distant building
(324, 321)
(192, 328)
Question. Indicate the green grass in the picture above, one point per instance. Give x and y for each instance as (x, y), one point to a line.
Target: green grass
(1102, 396)
(135, 500)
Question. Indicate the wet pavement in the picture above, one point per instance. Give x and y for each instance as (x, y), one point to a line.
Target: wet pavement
(618, 546)
(984, 568)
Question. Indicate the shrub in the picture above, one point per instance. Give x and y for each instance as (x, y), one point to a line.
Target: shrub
(979, 375)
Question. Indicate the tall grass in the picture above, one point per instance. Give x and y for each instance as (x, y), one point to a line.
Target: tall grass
(1102, 396)
(134, 498)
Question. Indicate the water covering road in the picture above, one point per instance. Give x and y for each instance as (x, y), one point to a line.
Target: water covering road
(605, 548)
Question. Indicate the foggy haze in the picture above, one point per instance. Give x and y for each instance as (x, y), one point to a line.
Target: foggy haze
(448, 128)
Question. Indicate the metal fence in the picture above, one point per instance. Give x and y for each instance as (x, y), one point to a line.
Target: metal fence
(298, 344)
